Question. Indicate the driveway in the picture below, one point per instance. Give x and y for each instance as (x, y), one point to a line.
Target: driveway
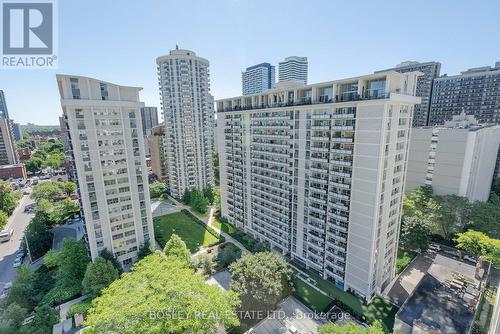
(404, 284)
(17, 221)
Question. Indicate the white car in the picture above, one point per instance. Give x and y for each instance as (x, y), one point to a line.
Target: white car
(435, 247)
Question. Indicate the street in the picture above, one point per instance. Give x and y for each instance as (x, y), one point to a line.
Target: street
(18, 221)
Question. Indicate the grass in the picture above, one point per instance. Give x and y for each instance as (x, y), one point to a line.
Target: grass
(187, 227)
(378, 309)
(311, 297)
(403, 260)
(81, 307)
(225, 227)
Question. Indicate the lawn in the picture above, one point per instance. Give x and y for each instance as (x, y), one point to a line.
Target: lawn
(378, 309)
(311, 297)
(187, 227)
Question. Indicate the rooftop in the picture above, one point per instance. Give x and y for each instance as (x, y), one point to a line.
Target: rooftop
(445, 299)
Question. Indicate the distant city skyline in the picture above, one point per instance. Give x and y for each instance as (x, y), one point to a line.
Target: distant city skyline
(129, 56)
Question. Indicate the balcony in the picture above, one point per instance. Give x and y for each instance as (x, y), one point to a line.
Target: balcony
(347, 97)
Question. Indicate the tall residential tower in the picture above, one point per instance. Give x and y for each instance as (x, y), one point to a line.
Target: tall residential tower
(474, 92)
(424, 86)
(149, 117)
(107, 148)
(258, 78)
(4, 112)
(189, 120)
(318, 172)
(293, 68)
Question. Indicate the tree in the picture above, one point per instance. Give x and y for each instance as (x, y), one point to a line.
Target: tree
(228, 255)
(162, 295)
(22, 292)
(186, 197)
(157, 188)
(452, 215)
(39, 236)
(51, 259)
(99, 274)
(72, 260)
(45, 318)
(208, 193)
(108, 255)
(65, 209)
(15, 314)
(34, 165)
(51, 190)
(415, 234)
(198, 202)
(3, 219)
(351, 328)
(69, 187)
(478, 243)
(485, 217)
(144, 250)
(261, 279)
(207, 265)
(8, 199)
(176, 247)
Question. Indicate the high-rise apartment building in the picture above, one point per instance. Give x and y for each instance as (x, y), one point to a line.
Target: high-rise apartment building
(293, 68)
(149, 117)
(156, 147)
(258, 78)
(475, 92)
(107, 147)
(457, 158)
(318, 172)
(16, 129)
(8, 153)
(430, 71)
(4, 112)
(189, 117)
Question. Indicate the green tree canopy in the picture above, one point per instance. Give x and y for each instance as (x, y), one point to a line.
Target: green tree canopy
(415, 234)
(144, 250)
(50, 190)
(3, 219)
(22, 292)
(351, 328)
(478, 243)
(8, 198)
(109, 256)
(34, 165)
(162, 295)
(157, 188)
(72, 264)
(261, 279)
(69, 187)
(176, 247)
(99, 274)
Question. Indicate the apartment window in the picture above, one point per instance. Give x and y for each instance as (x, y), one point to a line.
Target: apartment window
(104, 91)
(75, 89)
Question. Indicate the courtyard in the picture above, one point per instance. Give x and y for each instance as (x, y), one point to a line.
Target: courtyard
(194, 232)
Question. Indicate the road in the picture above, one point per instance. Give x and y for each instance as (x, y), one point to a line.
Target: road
(18, 221)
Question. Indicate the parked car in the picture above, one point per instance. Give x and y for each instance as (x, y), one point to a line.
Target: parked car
(5, 235)
(471, 258)
(6, 290)
(435, 247)
(20, 254)
(17, 262)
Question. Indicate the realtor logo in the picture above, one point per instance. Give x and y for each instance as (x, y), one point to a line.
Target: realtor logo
(29, 34)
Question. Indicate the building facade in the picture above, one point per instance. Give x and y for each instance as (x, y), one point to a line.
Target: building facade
(258, 78)
(156, 146)
(4, 112)
(318, 172)
(430, 71)
(293, 68)
(457, 158)
(149, 117)
(189, 118)
(8, 152)
(107, 148)
(16, 129)
(475, 92)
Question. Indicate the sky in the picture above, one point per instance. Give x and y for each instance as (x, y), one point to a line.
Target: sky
(118, 41)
